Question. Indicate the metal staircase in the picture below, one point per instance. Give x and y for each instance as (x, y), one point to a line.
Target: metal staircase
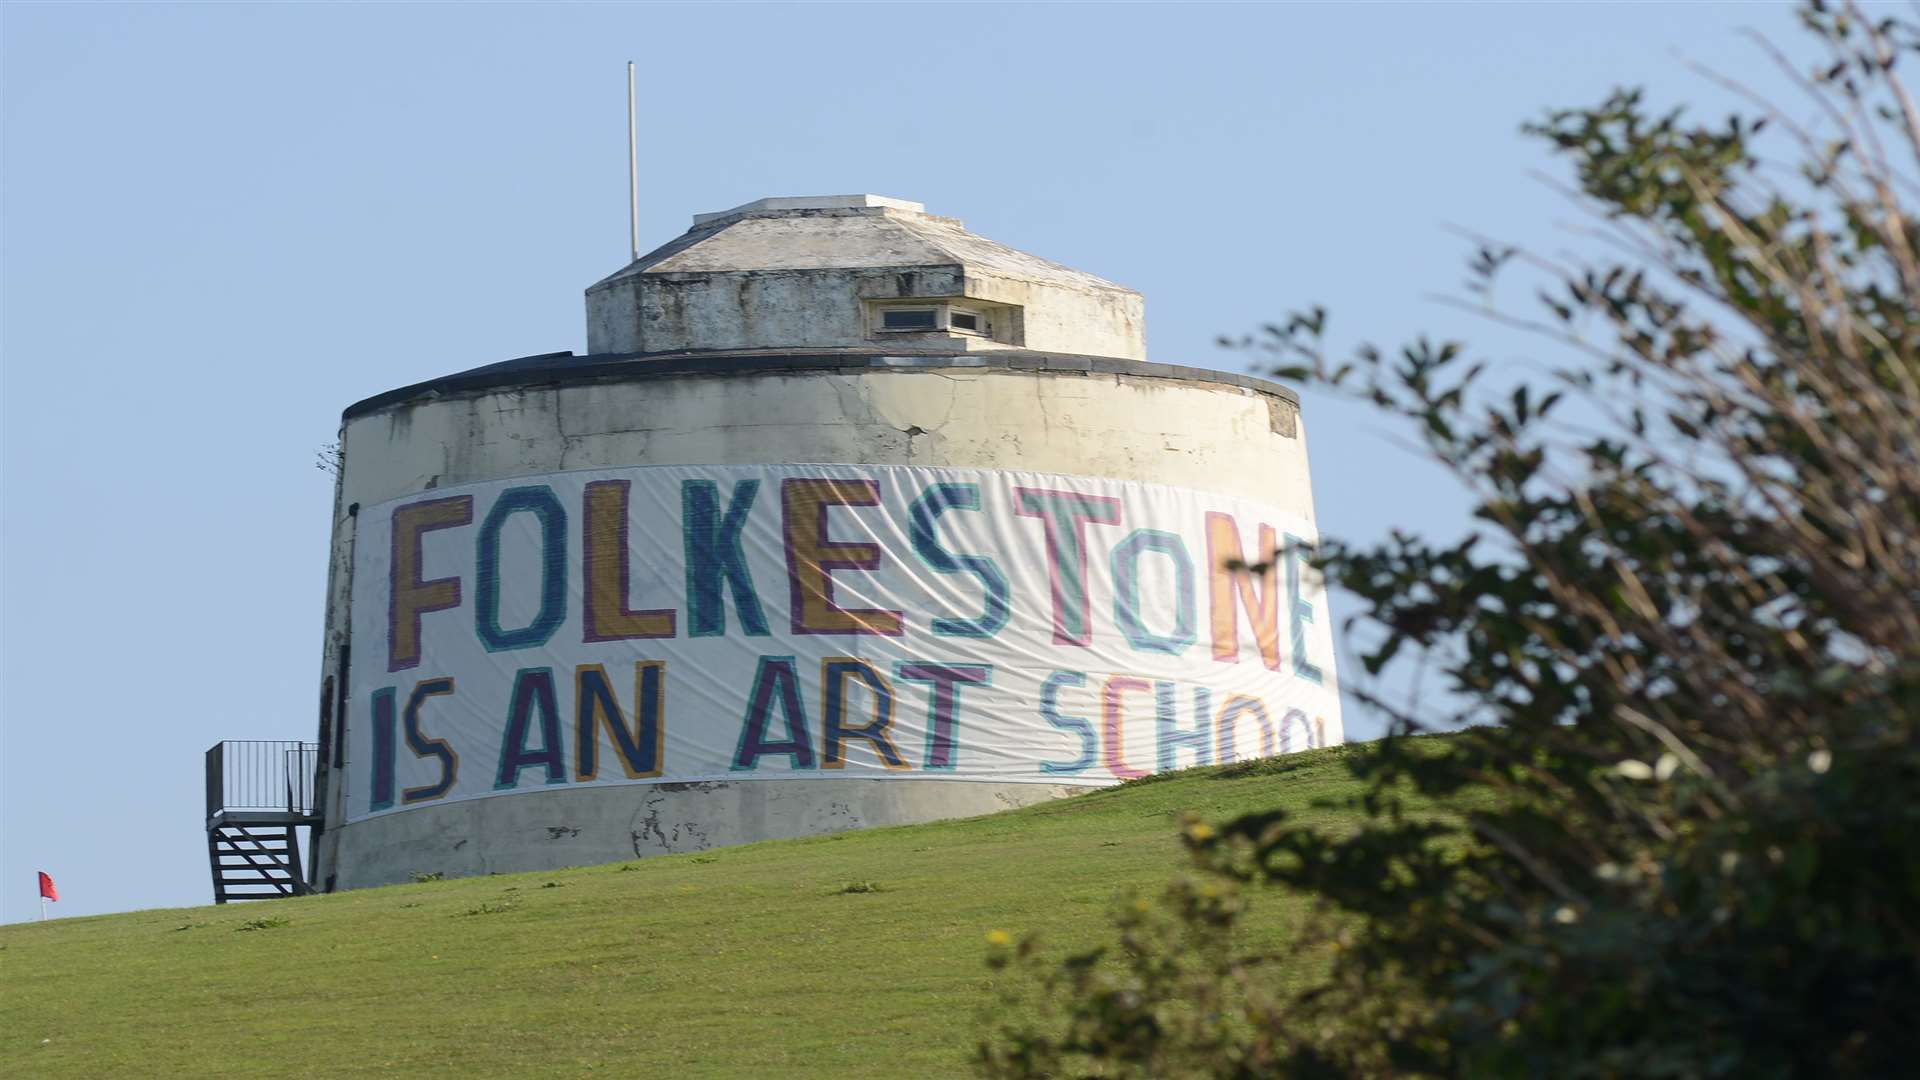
(259, 795)
(254, 862)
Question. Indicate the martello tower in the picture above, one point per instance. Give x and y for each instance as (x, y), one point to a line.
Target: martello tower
(849, 517)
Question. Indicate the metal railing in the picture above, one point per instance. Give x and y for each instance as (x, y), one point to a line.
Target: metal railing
(261, 775)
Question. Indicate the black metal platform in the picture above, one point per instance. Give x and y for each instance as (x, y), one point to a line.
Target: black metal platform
(259, 797)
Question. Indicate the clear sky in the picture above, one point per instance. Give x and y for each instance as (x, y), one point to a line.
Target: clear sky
(224, 223)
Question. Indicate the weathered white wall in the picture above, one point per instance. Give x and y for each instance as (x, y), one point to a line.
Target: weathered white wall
(1097, 322)
(796, 309)
(1200, 435)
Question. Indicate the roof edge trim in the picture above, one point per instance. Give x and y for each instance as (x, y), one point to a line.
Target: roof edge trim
(546, 369)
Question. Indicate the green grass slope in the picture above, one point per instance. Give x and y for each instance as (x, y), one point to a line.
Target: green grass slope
(746, 961)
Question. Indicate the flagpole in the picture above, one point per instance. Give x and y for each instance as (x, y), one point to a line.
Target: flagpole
(43, 909)
(633, 170)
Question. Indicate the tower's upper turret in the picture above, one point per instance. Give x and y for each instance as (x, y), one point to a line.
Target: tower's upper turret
(854, 271)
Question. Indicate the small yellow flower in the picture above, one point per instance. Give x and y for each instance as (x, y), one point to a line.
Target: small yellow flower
(999, 939)
(1200, 831)
(1142, 906)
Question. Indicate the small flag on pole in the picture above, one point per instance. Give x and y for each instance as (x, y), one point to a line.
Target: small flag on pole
(47, 892)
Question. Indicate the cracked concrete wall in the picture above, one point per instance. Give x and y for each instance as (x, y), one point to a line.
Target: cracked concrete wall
(1096, 322)
(1200, 435)
(766, 309)
(588, 826)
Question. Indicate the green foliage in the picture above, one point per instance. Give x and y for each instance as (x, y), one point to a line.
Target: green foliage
(1686, 636)
(1180, 999)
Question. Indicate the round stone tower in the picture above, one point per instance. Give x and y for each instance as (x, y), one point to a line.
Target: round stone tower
(849, 517)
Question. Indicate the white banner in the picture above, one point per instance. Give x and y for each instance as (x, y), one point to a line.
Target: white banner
(786, 622)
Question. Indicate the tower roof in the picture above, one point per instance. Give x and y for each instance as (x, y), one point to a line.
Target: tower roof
(827, 232)
(816, 271)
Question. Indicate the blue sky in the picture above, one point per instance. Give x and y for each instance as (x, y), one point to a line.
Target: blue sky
(224, 223)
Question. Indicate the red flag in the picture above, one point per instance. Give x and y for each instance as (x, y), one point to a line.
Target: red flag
(47, 891)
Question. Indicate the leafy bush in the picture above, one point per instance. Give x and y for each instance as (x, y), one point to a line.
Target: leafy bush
(1681, 834)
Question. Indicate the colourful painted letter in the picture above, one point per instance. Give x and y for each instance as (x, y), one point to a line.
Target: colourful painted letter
(596, 705)
(1126, 591)
(936, 500)
(1171, 738)
(539, 501)
(1260, 599)
(1050, 712)
(776, 683)
(608, 566)
(812, 557)
(715, 560)
(1113, 715)
(1299, 612)
(381, 781)
(533, 702)
(425, 747)
(1064, 515)
(1227, 725)
(410, 596)
(835, 673)
(943, 704)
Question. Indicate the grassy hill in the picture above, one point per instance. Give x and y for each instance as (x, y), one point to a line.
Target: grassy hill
(746, 961)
